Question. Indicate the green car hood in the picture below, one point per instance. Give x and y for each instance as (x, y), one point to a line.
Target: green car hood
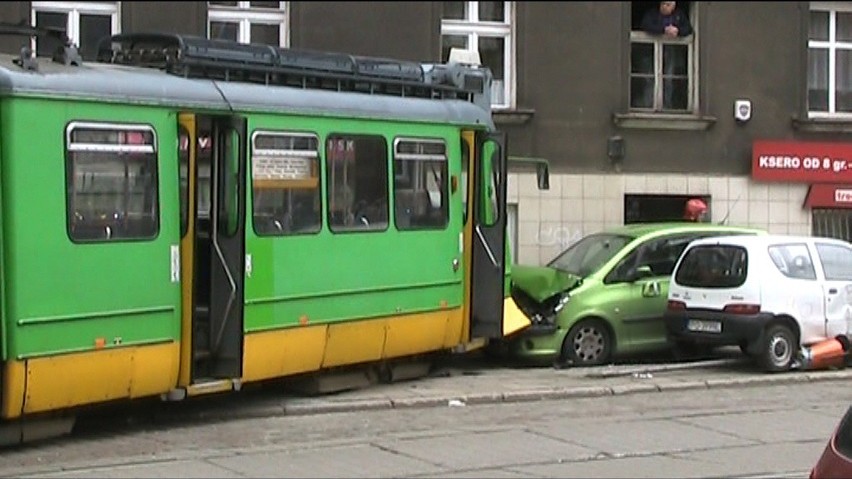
(541, 282)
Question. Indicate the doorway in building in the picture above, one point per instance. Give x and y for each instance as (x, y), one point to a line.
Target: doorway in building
(645, 208)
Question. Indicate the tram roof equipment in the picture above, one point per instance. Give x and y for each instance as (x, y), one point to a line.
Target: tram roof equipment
(226, 60)
(66, 53)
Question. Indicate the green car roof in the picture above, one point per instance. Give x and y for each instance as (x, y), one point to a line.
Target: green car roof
(638, 230)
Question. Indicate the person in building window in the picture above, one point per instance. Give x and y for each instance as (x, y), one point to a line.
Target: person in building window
(667, 20)
(695, 210)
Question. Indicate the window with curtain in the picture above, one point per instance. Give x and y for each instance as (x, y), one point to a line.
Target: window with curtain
(662, 65)
(830, 60)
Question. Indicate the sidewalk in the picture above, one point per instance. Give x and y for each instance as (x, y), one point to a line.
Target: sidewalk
(476, 382)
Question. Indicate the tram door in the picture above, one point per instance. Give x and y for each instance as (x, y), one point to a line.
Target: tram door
(488, 233)
(212, 246)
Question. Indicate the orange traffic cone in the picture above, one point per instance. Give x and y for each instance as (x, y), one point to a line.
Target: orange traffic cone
(826, 354)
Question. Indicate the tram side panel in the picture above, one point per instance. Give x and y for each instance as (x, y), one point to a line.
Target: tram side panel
(340, 274)
(90, 220)
(5, 404)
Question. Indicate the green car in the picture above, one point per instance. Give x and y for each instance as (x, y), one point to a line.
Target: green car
(605, 295)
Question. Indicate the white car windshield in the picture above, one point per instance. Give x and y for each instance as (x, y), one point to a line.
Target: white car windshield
(713, 266)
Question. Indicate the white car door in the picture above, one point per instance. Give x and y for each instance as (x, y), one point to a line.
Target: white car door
(800, 294)
(836, 260)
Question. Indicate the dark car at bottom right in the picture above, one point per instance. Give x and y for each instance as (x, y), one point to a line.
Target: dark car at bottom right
(836, 459)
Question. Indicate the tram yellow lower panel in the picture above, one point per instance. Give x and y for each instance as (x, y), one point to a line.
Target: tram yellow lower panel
(301, 349)
(455, 328)
(282, 352)
(14, 385)
(83, 378)
(416, 333)
(355, 342)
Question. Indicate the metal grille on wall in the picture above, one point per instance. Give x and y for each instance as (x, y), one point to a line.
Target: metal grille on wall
(832, 223)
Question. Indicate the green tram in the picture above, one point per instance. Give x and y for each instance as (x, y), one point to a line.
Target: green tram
(185, 216)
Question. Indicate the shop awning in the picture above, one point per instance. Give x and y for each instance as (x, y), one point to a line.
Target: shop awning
(827, 195)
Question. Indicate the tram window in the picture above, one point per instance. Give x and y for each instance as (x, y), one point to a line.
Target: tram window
(420, 184)
(228, 209)
(183, 178)
(357, 183)
(111, 182)
(285, 183)
(491, 179)
(204, 173)
(465, 148)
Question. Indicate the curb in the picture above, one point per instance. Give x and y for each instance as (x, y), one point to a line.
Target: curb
(664, 367)
(312, 406)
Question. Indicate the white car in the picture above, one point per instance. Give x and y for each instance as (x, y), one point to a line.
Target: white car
(771, 294)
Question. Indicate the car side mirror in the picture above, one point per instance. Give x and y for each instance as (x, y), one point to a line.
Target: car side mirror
(643, 271)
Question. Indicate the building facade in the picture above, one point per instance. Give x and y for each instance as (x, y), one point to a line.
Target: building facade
(751, 111)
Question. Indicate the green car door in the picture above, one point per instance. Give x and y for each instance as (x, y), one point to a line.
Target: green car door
(639, 286)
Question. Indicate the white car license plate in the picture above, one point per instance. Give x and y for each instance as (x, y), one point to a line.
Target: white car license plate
(704, 326)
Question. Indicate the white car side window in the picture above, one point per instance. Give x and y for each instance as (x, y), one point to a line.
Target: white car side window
(793, 260)
(836, 261)
(775, 254)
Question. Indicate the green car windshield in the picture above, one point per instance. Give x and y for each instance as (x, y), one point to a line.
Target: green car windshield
(590, 253)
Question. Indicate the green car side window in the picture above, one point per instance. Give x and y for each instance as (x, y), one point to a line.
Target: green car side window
(660, 255)
(622, 271)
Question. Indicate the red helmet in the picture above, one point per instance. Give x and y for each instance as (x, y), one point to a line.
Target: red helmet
(695, 208)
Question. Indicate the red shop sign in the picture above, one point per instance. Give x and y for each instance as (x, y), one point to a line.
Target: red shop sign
(804, 162)
(824, 195)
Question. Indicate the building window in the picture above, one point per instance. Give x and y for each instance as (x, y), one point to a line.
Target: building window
(111, 182)
(486, 27)
(830, 59)
(662, 61)
(651, 208)
(249, 22)
(420, 184)
(85, 24)
(832, 223)
(357, 169)
(285, 183)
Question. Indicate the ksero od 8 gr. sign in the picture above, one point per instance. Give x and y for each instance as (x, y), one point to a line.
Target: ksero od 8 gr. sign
(806, 162)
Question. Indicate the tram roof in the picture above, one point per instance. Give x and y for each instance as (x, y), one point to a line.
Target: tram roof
(113, 83)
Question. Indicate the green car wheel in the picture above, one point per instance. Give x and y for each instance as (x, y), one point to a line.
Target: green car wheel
(588, 343)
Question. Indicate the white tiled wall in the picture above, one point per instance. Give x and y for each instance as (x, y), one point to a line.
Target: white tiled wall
(579, 204)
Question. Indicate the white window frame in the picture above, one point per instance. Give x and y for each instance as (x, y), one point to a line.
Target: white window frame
(639, 36)
(74, 10)
(832, 45)
(692, 98)
(473, 29)
(244, 15)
